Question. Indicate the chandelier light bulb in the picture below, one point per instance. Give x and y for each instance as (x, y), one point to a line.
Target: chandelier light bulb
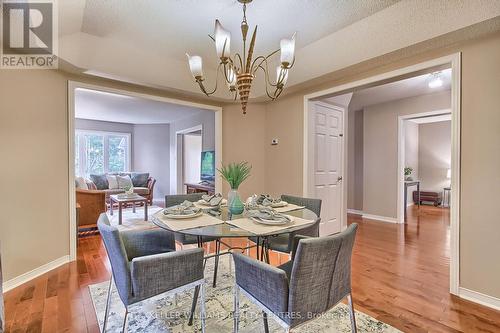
(196, 66)
(436, 80)
(281, 75)
(222, 41)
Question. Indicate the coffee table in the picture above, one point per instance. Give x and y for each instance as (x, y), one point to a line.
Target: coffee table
(121, 201)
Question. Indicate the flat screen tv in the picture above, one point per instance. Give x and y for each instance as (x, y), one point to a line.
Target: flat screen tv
(208, 166)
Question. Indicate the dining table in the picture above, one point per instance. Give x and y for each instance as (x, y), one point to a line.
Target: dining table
(225, 229)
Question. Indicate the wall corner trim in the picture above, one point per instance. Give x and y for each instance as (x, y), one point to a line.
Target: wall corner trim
(380, 218)
(480, 298)
(28, 276)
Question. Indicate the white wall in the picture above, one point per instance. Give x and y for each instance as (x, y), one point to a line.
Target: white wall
(411, 141)
(434, 157)
(151, 153)
(204, 118)
(192, 158)
(380, 149)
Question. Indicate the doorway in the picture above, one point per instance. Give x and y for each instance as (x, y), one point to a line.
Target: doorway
(452, 61)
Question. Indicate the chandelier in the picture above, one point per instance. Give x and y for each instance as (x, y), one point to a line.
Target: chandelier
(239, 70)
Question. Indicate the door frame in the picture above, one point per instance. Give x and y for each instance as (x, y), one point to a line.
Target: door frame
(72, 86)
(179, 153)
(402, 152)
(454, 60)
(308, 176)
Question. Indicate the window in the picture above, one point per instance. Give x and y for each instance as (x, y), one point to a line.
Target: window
(101, 152)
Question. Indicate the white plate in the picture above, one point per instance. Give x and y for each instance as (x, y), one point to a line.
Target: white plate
(179, 217)
(271, 222)
(279, 204)
(204, 203)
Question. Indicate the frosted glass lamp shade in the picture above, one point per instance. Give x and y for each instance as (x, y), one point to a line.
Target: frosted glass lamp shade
(281, 75)
(222, 41)
(196, 66)
(287, 47)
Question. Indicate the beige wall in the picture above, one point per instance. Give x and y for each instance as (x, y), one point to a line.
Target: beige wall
(480, 163)
(380, 149)
(434, 155)
(34, 227)
(243, 139)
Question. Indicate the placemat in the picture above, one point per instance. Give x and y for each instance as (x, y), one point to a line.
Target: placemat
(288, 208)
(183, 224)
(248, 224)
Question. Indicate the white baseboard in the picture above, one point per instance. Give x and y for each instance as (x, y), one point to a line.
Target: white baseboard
(28, 276)
(354, 211)
(410, 204)
(477, 297)
(380, 218)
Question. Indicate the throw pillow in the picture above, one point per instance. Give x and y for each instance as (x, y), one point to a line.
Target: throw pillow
(140, 179)
(100, 181)
(124, 182)
(81, 184)
(112, 181)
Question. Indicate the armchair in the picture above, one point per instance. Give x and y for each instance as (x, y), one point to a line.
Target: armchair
(317, 279)
(144, 264)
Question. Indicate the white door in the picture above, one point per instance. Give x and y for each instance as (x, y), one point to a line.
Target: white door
(327, 179)
(191, 158)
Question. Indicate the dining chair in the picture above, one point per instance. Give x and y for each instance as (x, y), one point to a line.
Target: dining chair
(316, 279)
(144, 264)
(177, 199)
(283, 242)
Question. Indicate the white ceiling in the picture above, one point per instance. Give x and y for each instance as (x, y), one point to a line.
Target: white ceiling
(97, 105)
(410, 87)
(144, 42)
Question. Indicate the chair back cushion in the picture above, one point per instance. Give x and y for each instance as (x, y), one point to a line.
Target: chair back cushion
(117, 257)
(321, 274)
(177, 199)
(311, 204)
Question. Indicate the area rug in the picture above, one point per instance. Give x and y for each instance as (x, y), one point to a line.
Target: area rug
(161, 314)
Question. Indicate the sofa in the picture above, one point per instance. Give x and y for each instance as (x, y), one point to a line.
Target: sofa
(142, 183)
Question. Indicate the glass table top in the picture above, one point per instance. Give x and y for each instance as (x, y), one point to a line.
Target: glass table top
(225, 230)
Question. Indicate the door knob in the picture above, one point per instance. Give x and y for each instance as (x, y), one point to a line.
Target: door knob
(339, 179)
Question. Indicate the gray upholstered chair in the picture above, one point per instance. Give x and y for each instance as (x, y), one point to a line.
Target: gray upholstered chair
(315, 280)
(283, 242)
(177, 199)
(144, 264)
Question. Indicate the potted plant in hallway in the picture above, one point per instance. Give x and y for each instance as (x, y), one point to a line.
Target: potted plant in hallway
(408, 171)
(235, 174)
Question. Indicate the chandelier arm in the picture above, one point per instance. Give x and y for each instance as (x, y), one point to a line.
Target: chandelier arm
(266, 72)
(237, 55)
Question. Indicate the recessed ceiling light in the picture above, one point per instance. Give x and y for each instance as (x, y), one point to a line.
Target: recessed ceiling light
(435, 80)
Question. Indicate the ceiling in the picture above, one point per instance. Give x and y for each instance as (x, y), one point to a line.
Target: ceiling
(104, 106)
(145, 42)
(414, 86)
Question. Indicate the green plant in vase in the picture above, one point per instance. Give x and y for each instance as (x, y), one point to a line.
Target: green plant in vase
(408, 171)
(235, 174)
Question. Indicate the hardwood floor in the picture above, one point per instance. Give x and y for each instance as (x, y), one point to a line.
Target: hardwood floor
(400, 276)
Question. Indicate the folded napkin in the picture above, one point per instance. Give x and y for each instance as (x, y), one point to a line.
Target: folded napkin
(185, 208)
(266, 200)
(267, 213)
(212, 200)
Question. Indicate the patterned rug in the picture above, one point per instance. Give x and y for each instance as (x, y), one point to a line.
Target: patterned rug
(161, 314)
